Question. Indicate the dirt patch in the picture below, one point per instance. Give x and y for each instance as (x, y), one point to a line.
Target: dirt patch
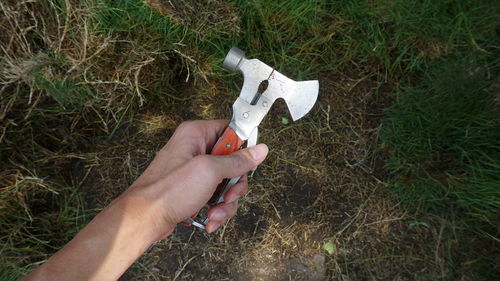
(319, 185)
(300, 196)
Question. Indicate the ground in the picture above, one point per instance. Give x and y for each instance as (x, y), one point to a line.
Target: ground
(92, 91)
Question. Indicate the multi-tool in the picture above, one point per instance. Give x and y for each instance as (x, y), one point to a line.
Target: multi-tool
(251, 107)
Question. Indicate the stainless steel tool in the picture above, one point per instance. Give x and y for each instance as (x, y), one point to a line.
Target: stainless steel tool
(252, 106)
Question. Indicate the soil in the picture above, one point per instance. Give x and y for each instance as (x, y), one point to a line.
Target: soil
(321, 183)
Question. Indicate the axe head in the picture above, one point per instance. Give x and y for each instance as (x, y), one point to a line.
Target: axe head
(252, 105)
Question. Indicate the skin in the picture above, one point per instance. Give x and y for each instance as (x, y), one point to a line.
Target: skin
(178, 183)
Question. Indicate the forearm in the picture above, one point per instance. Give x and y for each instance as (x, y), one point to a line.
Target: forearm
(106, 247)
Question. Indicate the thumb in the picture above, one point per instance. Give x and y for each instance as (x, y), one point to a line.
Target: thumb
(239, 162)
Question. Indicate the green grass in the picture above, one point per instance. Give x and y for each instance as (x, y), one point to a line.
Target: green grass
(442, 134)
(390, 39)
(67, 94)
(40, 210)
(38, 217)
(444, 137)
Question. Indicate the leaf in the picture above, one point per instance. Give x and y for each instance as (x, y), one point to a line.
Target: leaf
(418, 223)
(329, 247)
(284, 121)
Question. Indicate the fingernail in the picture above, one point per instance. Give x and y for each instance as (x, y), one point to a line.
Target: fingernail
(214, 228)
(233, 199)
(258, 152)
(217, 215)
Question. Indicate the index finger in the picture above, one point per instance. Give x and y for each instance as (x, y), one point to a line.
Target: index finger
(199, 136)
(213, 129)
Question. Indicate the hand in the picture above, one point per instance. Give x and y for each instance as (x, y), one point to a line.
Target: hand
(177, 183)
(182, 177)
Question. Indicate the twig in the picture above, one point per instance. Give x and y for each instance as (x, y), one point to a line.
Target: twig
(178, 273)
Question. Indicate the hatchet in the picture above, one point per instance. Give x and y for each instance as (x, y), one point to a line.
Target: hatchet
(251, 107)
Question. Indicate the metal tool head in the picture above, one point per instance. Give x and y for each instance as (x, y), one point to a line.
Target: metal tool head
(251, 106)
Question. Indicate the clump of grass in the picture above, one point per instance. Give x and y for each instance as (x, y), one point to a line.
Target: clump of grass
(442, 133)
(286, 34)
(444, 143)
(404, 37)
(37, 217)
(388, 39)
(41, 106)
(134, 21)
(66, 93)
(201, 17)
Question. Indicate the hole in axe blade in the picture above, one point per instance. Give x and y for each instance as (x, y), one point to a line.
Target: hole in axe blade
(262, 88)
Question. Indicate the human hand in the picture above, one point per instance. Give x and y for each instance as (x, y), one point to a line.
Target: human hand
(182, 177)
(178, 183)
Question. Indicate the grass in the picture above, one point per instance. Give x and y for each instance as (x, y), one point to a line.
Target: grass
(38, 217)
(443, 142)
(89, 90)
(444, 135)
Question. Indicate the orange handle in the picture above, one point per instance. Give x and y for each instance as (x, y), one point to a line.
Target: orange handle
(227, 143)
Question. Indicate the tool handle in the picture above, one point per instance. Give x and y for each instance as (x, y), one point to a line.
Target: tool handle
(227, 143)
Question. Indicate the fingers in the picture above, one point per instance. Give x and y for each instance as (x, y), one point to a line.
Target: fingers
(215, 128)
(237, 191)
(220, 213)
(212, 169)
(212, 226)
(239, 162)
(204, 131)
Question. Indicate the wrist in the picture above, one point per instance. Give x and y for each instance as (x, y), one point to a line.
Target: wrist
(144, 216)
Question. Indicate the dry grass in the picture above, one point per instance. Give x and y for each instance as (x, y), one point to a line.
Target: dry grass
(323, 181)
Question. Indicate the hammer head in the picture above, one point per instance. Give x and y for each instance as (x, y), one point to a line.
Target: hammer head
(251, 106)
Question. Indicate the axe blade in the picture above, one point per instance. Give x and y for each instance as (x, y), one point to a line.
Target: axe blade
(301, 99)
(251, 106)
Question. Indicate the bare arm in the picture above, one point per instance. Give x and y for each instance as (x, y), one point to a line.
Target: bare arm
(178, 183)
